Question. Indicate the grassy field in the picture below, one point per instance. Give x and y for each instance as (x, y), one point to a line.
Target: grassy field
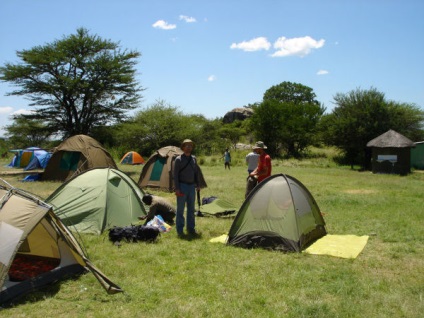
(196, 278)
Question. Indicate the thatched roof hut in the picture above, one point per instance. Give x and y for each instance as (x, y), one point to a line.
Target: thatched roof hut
(391, 139)
(391, 153)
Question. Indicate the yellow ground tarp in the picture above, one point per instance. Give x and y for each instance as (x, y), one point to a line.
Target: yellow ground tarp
(220, 239)
(344, 246)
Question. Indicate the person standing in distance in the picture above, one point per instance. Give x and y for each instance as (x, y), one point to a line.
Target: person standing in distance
(186, 181)
(263, 170)
(227, 159)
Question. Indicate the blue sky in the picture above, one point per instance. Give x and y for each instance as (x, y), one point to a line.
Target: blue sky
(208, 57)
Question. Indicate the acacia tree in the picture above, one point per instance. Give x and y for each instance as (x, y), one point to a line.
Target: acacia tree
(77, 83)
(362, 115)
(288, 118)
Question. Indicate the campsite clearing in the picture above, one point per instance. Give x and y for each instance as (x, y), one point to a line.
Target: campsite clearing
(196, 278)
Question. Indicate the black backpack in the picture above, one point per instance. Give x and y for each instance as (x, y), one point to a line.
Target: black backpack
(147, 233)
(116, 234)
(133, 233)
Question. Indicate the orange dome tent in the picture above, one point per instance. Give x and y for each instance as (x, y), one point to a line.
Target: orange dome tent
(132, 158)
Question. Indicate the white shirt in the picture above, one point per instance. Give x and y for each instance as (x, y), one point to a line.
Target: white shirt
(252, 160)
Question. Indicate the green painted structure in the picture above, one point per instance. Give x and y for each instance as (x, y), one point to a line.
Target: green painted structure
(417, 155)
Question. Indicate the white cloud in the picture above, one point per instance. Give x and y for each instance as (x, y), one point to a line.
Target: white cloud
(187, 19)
(22, 112)
(296, 46)
(257, 44)
(212, 78)
(6, 110)
(161, 24)
(322, 72)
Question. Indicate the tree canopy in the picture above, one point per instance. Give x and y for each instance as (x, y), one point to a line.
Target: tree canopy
(27, 132)
(162, 124)
(77, 83)
(291, 92)
(287, 119)
(154, 127)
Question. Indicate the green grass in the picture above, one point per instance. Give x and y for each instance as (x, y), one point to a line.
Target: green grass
(196, 278)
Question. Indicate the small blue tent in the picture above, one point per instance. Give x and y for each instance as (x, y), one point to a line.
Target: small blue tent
(23, 156)
(39, 160)
(16, 160)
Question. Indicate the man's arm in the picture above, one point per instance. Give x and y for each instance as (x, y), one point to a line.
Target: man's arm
(177, 167)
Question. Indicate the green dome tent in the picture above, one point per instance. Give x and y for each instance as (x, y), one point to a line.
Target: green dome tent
(97, 200)
(279, 214)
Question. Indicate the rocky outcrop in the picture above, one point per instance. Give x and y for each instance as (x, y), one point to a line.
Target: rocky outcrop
(237, 114)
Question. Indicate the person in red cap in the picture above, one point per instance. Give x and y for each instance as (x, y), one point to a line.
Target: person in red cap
(264, 168)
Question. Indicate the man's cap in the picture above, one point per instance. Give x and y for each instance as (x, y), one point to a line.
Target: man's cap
(259, 144)
(187, 141)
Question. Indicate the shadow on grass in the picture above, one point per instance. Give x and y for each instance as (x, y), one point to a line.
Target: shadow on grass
(190, 237)
(39, 294)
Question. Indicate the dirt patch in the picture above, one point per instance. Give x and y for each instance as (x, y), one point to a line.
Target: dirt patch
(20, 172)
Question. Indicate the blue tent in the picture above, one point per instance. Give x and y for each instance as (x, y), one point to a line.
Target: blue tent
(23, 156)
(39, 160)
(15, 162)
(31, 177)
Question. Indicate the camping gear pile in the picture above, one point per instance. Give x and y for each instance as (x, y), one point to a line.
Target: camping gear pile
(159, 223)
(134, 233)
